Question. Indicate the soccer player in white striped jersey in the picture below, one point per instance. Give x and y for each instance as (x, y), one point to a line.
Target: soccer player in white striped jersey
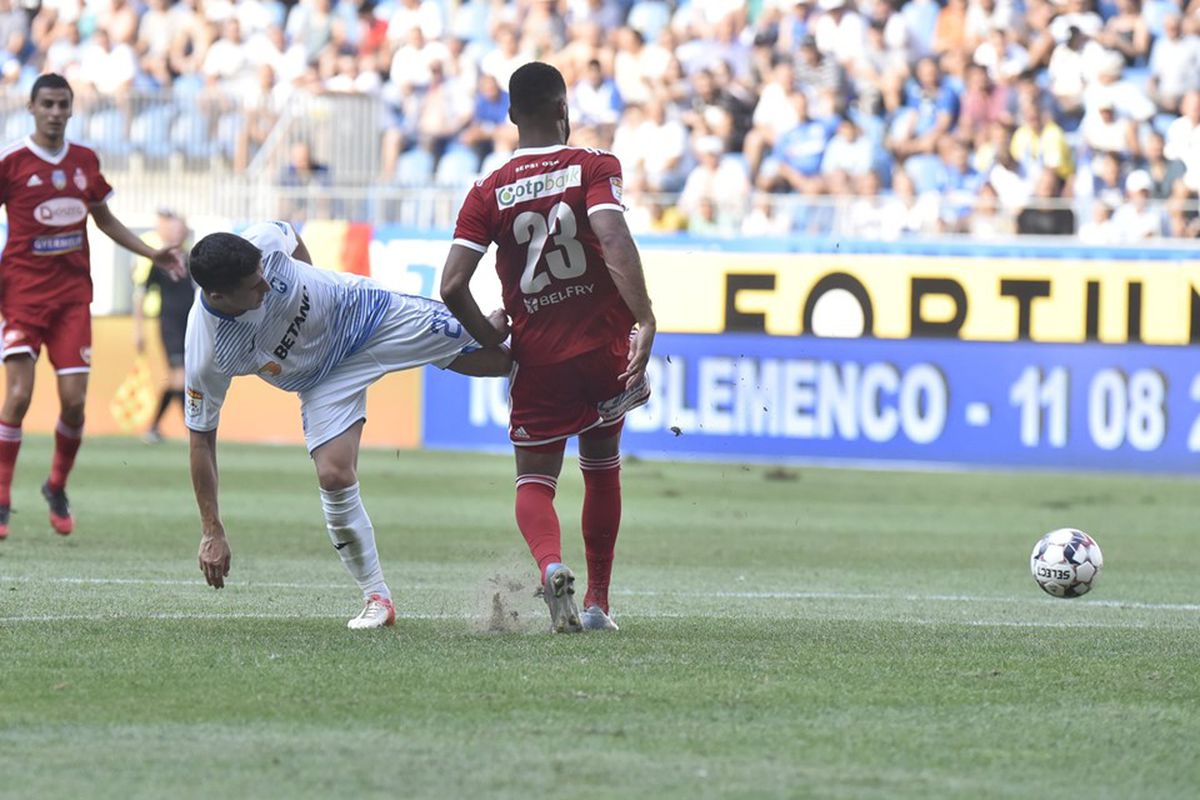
(265, 310)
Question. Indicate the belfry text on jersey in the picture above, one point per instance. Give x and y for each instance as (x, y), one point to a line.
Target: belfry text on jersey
(293, 330)
(532, 304)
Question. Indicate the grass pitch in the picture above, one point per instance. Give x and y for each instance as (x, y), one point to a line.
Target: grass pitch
(785, 633)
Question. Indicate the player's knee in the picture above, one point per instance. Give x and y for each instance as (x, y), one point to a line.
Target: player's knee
(72, 410)
(332, 477)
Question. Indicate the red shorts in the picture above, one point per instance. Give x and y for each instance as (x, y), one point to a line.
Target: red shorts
(66, 331)
(553, 402)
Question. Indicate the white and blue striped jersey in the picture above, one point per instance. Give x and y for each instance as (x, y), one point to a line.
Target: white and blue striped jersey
(310, 321)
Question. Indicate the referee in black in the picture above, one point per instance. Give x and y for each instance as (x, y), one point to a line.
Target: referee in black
(176, 298)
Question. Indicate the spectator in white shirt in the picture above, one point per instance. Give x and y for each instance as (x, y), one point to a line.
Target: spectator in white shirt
(1183, 138)
(1174, 65)
(1137, 221)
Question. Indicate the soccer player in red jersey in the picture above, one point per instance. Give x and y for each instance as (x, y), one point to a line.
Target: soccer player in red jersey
(574, 289)
(50, 186)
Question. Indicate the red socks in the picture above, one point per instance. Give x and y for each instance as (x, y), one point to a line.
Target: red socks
(601, 521)
(66, 444)
(537, 519)
(10, 444)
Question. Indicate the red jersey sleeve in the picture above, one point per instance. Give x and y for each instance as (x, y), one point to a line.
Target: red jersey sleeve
(473, 229)
(604, 184)
(98, 189)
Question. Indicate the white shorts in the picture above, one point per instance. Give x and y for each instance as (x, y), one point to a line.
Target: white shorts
(415, 332)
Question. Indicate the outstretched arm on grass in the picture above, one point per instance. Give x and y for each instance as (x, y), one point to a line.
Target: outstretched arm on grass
(214, 547)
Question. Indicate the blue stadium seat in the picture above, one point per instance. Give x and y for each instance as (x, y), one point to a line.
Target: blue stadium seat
(458, 167)
(927, 173)
(151, 131)
(17, 126)
(190, 135)
(229, 127)
(495, 160)
(106, 130)
(414, 168)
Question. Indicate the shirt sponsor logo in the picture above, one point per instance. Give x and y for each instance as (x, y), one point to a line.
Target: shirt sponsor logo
(195, 402)
(293, 330)
(271, 368)
(538, 186)
(34, 180)
(80, 179)
(534, 304)
(57, 245)
(60, 212)
(59, 179)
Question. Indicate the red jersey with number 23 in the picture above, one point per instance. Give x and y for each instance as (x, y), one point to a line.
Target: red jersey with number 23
(557, 289)
(48, 196)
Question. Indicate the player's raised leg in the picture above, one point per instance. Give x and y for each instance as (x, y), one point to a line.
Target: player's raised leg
(538, 468)
(18, 382)
(600, 463)
(350, 528)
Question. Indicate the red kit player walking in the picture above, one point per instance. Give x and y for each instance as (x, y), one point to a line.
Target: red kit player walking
(574, 289)
(50, 186)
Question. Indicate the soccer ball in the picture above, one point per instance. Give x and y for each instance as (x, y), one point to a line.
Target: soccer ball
(1066, 562)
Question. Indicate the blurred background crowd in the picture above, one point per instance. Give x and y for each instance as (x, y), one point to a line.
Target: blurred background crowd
(864, 118)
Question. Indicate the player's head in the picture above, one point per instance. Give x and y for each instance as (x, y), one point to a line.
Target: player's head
(50, 102)
(229, 270)
(537, 99)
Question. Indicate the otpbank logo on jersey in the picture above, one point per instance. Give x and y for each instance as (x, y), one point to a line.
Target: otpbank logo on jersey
(537, 186)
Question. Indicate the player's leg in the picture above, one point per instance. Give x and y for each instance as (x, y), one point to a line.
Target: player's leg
(19, 370)
(538, 467)
(600, 463)
(172, 334)
(68, 436)
(350, 528)
(69, 347)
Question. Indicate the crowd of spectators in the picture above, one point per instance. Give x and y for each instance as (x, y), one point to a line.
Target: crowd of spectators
(861, 117)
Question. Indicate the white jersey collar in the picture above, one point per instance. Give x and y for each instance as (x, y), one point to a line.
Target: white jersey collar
(539, 151)
(46, 155)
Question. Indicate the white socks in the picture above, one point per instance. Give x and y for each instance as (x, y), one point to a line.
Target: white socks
(353, 537)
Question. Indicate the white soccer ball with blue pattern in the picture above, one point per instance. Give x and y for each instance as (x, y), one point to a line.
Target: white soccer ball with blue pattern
(1066, 563)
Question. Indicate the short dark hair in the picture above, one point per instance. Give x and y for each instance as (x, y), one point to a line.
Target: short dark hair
(221, 261)
(534, 88)
(50, 80)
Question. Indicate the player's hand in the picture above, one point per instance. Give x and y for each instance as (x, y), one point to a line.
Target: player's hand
(170, 261)
(499, 321)
(214, 556)
(639, 354)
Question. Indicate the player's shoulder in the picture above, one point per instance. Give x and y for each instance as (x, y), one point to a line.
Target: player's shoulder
(14, 149)
(81, 153)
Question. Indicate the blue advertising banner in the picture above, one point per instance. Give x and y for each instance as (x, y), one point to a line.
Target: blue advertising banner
(1099, 407)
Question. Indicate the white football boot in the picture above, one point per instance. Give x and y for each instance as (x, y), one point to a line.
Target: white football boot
(593, 618)
(379, 612)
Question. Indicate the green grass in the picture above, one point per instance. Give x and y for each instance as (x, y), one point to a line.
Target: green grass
(785, 633)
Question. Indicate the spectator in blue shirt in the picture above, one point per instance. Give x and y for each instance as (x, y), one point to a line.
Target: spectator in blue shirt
(490, 117)
(934, 107)
(795, 161)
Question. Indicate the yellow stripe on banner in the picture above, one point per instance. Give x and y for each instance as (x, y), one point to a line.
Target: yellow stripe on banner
(326, 241)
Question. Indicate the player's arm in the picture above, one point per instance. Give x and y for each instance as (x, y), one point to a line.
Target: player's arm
(301, 252)
(167, 258)
(214, 552)
(489, 331)
(625, 266)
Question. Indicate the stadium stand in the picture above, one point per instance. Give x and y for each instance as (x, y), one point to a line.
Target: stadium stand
(874, 118)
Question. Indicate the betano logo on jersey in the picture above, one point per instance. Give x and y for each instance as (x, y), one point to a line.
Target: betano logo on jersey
(61, 211)
(538, 186)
